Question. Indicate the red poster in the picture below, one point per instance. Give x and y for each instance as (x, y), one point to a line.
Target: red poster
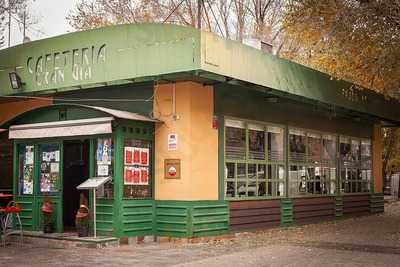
(144, 176)
(136, 176)
(128, 177)
(144, 156)
(128, 156)
(136, 155)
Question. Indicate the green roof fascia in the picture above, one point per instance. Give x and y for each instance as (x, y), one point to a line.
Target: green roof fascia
(105, 56)
(141, 52)
(246, 64)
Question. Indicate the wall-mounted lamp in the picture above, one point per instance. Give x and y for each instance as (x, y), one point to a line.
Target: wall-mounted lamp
(15, 80)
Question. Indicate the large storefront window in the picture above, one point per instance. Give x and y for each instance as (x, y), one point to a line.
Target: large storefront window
(104, 165)
(49, 168)
(254, 160)
(312, 163)
(355, 165)
(25, 169)
(137, 170)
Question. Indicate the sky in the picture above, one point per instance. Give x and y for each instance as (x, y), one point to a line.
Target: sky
(50, 15)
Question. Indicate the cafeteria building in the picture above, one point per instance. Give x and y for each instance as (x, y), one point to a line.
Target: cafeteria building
(200, 135)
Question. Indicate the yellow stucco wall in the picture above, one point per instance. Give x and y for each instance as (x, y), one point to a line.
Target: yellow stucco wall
(197, 142)
(377, 146)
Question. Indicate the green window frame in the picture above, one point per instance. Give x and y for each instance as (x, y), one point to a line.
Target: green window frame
(312, 162)
(254, 169)
(355, 165)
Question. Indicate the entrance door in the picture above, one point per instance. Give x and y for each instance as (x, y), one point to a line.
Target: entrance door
(76, 171)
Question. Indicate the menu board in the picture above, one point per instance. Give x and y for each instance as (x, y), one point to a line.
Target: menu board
(49, 168)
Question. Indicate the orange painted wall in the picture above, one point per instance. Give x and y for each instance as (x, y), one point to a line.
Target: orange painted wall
(377, 146)
(9, 110)
(197, 142)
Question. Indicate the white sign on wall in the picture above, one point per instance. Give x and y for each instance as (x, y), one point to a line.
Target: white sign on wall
(172, 142)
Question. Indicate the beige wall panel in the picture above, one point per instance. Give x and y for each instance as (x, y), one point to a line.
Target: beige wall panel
(197, 142)
(377, 147)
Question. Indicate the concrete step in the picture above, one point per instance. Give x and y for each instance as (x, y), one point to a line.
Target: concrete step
(63, 240)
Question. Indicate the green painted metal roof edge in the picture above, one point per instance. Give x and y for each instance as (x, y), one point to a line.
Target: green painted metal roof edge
(136, 52)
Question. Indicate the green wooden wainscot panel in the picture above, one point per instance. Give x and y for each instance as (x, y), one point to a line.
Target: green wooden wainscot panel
(377, 203)
(104, 217)
(26, 215)
(172, 218)
(338, 206)
(137, 217)
(209, 218)
(192, 218)
(286, 212)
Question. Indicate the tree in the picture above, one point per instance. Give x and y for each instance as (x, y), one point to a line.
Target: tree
(232, 19)
(13, 10)
(351, 39)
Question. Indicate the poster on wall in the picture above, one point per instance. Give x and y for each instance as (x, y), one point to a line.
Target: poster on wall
(28, 155)
(128, 158)
(102, 170)
(27, 180)
(144, 156)
(172, 142)
(104, 151)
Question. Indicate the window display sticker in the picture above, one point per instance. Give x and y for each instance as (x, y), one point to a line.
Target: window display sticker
(28, 155)
(144, 156)
(136, 175)
(54, 167)
(128, 175)
(136, 155)
(102, 170)
(172, 142)
(27, 180)
(128, 155)
(103, 152)
(144, 176)
(57, 155)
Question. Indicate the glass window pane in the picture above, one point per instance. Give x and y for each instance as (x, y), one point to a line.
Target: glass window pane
(261, 171)
(230, 170)
(230, 189)
(297, 145)
(235, 140)
(25, 169)
(355, 150)
(256, 142)
(252, 189)
(329, 148)
(314, 148)
(261, 188)
(241, 189)
(137, 168)
(49, 168)
(251, 171)
(297, 180)
(345, 151)
(275, 143)
(241, 170)
(104, 165)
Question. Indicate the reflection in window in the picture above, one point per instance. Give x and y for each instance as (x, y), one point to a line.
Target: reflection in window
(314, 148)
(275, 143)
(297, 145)
(256, 142)
(235, 146)
(248, 172)
(329, 148)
